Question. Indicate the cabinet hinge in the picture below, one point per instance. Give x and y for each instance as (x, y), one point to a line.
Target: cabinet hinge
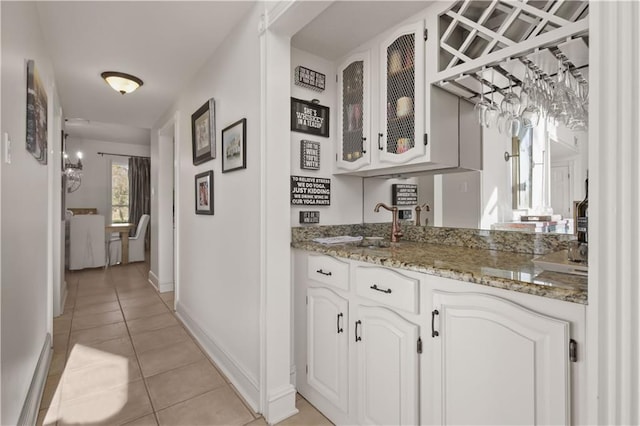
(419, 345)
(426, 34)
(573, 350)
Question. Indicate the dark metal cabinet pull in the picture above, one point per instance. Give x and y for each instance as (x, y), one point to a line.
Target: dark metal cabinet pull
(379, 144)
(358, 323)
(340, 329)
(375, 287)
(320, 271)
(364, 151)
(434, 333)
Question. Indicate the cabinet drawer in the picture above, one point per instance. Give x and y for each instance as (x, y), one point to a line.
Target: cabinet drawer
(328, 270)
(388, 287)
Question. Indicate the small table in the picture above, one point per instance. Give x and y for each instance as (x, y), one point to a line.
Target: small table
(123, 229)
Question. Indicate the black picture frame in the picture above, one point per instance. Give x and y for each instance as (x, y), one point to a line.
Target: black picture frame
(204, 193)
(234, 146)
(309, 155)
(203, 132)
(37, 115)
(309, 117)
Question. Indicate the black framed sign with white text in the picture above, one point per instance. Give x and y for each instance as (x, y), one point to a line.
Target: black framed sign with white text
(309, 117)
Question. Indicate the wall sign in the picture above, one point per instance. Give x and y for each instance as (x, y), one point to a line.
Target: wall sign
(310, 79)
(308, 117)
(309, 217)
(403, 194)
(310, 191)
(309, 155)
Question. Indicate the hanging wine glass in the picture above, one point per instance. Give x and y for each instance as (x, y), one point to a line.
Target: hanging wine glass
(492, 112)
(481, 107)
(511, 102)
(530, 116)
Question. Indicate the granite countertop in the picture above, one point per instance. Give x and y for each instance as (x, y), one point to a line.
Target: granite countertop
(501, 269)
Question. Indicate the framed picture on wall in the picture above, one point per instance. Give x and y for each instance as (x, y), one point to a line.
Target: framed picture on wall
(204, 192)
(234, 146)
(36, 138)
(309, 117)
(203, 132)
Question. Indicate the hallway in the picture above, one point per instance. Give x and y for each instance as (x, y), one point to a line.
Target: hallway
(122, 357)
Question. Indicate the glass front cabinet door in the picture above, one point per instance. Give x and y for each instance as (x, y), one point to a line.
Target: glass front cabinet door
(401, 134)
(353, 120)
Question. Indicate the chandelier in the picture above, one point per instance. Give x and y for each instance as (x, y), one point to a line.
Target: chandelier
(73, 172)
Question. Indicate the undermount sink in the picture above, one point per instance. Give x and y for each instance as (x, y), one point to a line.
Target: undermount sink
(375, 242)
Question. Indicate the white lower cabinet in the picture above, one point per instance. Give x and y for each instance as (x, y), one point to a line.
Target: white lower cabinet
(498, 363)
(327, 345)
(388, 377)
(386, 346)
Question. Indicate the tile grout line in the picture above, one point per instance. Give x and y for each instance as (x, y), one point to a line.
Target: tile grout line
(135, 352)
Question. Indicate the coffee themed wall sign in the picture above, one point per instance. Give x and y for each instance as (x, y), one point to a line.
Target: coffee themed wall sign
(309, 117)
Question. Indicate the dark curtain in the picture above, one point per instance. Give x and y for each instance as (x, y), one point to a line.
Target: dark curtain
(139, 191)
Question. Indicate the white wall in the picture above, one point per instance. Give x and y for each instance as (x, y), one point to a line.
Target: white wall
(25, 308)
(346, 191)
(496, 179)
(219, 265)
(95, 188)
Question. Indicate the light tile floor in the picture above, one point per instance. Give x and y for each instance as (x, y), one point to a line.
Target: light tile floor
(122, 357)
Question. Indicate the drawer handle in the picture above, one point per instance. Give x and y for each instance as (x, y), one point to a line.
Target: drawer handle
(320, 271)
(358, 337)
(375, 287)
(340, 329)
(434, 333)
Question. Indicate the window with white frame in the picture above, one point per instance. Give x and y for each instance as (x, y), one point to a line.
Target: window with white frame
(119, 191)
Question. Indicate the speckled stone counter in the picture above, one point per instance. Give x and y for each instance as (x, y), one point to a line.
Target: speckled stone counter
(494, 268)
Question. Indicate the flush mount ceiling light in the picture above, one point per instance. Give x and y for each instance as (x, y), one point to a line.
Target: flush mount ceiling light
(121, 82)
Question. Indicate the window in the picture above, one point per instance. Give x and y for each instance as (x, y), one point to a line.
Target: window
(119, 192)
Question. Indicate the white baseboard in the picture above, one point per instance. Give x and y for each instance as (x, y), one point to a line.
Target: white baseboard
(31, 405)
(281, 404)
(161, 287)
(244, 382)
(153, 279)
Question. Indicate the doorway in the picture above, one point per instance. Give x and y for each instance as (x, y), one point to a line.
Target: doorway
(164, 259)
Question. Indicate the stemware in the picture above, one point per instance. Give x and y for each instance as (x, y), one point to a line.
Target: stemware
(481, 107)
(511, 102)
(492, 112)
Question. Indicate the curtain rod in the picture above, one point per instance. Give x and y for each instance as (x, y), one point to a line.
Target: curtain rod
(122, 155)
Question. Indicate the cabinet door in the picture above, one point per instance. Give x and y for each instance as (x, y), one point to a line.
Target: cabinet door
(496, 362)
(327, 345)
(353, 119)
(401, 138)
(387, 368)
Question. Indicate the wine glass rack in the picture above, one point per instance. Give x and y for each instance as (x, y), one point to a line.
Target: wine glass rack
(484, 44)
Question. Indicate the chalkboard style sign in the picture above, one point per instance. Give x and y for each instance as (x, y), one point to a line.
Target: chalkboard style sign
(403, 194)
(309, 155)
(310, 79)
(307, 217)
(307, 117)
(310, 191)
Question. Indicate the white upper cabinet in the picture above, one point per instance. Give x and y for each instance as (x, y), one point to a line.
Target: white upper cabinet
(402, 87)
(498, 363)
(354, 93)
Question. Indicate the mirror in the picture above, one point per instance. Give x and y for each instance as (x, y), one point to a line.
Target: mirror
(544, 173)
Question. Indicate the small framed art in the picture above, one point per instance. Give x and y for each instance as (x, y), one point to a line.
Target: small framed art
(234, 146)
(204, 193)
(203, 132)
